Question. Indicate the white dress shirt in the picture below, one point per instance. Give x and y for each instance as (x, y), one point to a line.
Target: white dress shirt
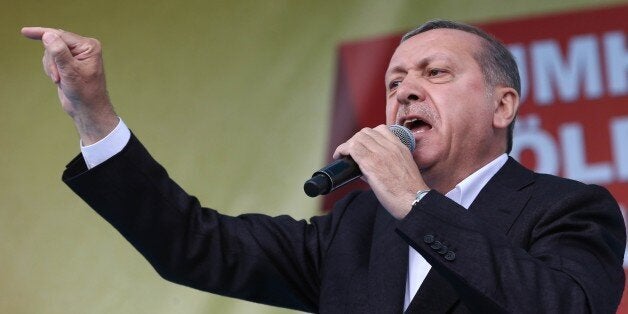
(113, 143)
(464, 193)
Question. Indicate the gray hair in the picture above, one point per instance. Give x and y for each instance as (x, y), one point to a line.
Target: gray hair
(497, 63)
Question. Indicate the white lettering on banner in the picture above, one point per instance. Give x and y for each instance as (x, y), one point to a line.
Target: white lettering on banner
(619, 137)
(579, 72)
(569, 149)
(574, 154)
(616, 63)
(530, 136)
(583, 63)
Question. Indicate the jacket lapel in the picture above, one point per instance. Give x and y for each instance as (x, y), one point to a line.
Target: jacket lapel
(388, 266)
(504, 196)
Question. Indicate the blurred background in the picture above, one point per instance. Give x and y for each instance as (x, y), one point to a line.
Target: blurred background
(233, 98)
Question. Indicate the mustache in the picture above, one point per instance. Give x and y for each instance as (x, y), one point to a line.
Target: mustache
(426, 112)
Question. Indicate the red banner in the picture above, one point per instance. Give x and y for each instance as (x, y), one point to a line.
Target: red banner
(573, 120)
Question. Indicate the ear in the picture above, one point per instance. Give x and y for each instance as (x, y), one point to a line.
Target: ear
(506, 106)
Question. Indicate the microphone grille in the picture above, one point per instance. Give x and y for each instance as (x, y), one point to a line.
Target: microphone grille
(404, 135)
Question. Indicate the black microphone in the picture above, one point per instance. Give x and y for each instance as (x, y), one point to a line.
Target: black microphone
(345, 170)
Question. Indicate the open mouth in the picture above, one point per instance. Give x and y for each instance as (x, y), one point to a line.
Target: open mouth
(416, 125)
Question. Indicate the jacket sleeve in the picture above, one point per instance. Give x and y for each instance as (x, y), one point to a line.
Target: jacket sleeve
(563, 255)
(270, 260)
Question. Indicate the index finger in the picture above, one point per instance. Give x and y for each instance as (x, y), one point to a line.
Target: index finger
(384, 131)
(37, 33)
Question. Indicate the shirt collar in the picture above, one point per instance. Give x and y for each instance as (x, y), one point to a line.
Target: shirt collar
(465, 192)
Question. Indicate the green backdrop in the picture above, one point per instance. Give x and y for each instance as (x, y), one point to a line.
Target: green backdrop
(232, 97)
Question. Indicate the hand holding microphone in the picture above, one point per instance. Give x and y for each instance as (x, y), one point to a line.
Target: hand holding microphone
(345, 170)
(383, 157)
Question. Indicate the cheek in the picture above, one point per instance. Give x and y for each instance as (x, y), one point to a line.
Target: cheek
(459, 121)
(468, 107)
(391, 113)
(470, 125)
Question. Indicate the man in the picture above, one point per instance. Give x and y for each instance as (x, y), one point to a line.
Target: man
(454, 226)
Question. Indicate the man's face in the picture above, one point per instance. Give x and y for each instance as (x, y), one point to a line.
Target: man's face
(436, 88)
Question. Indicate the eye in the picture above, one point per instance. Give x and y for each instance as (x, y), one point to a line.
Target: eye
(393, 84)
(438, 75)
(435, 72)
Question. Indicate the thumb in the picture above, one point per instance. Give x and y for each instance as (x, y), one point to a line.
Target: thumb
(57, 49)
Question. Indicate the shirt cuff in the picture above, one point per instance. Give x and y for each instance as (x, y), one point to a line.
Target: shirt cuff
(107, 147)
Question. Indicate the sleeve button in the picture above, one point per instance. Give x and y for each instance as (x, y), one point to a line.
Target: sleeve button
(443, 249)
(450, 256)
(428, 238)
(436, 245)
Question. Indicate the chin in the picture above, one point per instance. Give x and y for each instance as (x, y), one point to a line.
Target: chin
(426, 160)
(422, 161)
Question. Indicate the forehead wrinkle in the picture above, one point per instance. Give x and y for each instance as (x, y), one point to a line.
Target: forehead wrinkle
(421, 63)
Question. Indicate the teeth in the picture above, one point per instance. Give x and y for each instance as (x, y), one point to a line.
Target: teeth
(410, 121)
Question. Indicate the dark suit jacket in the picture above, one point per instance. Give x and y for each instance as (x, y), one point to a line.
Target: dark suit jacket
(529, 243)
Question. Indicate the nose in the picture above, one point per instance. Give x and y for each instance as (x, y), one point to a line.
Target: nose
(409, 91)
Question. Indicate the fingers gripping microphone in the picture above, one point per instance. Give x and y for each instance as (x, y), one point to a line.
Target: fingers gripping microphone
(344, 170)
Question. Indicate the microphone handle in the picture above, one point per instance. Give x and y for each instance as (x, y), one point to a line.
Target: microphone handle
(333, 176)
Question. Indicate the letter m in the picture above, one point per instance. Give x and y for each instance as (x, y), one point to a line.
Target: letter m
(580, 67)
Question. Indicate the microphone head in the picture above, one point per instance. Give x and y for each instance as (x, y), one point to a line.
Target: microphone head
(404, 135)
